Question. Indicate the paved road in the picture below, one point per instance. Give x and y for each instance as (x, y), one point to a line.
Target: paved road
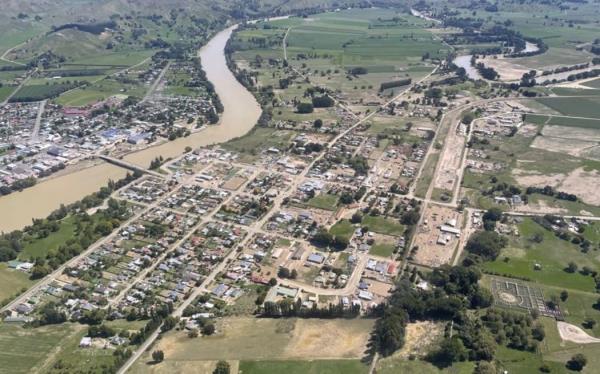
(38, 120)
(156, 82)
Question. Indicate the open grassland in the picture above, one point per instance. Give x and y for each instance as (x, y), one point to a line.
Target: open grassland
(267, 339)
(22, 350)
(564, 121)
(5, 92)
(588, 107)
(388, 44)
(552, 253)
(595, 83)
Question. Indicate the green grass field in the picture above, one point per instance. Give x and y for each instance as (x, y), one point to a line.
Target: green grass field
(563, 121)
(323, 201)
(382, 225)
(24, 350)
(342, 228)
(99, 91)
(5, 91)
(304, 367)
(383, 250)
(40, 247)
(40, 92)
(595, 83)
(588, 107)
(553, 254)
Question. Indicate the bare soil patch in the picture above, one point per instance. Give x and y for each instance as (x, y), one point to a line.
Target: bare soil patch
(234, 183)
(574, 334)
(584, 184)
(419, 337)
(536, 179)
(329, 339)
(508, 70)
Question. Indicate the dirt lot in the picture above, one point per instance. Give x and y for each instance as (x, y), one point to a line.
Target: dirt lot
(262, 339)
(329, 339)
(536, 179)
(508, 70)
(431, 253)
(579, 182)
(574, 141)
(420, 336)
(234, 183)
(451, 159)
(583, 184)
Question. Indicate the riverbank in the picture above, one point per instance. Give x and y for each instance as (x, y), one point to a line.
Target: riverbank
(240, 114)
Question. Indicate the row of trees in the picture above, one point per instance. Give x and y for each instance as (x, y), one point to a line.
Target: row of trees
(289, 308)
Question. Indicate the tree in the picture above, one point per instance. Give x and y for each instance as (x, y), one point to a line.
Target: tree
(356, 218)
(571, 267)
(564, 295)
(486, 244)
(484, 367)
(222, 368)
(158, 356)
(193, 333)
(589, 323)
(577, 362)
(388, 335)
(481, 298)
(283, 272)
(451, 350)
(318, 123)
(305, 108)
(322, 101)
(208, 329)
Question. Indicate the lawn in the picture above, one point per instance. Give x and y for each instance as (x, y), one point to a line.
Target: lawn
(304, 367)
(382, 225)
(342, 228)
(323, 201)
(383, 250)
(553, 254)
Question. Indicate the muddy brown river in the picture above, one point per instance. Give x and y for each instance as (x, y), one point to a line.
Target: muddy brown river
(241, 112)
